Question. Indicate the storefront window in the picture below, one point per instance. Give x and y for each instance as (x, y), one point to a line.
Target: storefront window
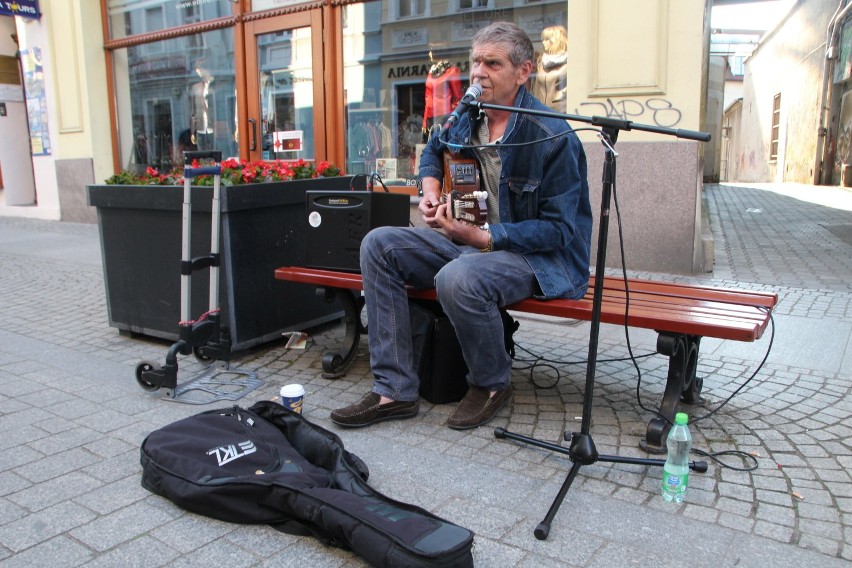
(404, 74)
(176, 95)
(285, 64)
(135, 17)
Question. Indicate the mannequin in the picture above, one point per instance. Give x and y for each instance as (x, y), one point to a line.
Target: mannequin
(202, 108)
(443, 92)
(551, 79)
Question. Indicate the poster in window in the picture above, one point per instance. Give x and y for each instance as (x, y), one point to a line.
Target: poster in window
(386, 168)
(287, 140)
(36, 101)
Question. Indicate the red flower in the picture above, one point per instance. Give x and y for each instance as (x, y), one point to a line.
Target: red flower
(234, 172)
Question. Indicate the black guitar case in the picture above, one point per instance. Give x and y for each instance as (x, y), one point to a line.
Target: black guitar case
(269, 465)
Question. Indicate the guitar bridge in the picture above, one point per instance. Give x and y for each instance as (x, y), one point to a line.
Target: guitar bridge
(462, 190)
(471, 207)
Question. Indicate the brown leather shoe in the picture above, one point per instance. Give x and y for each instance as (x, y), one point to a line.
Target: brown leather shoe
(478, 408)
(369, 411)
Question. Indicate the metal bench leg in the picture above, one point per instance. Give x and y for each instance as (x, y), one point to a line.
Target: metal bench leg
(334, 364)
(692, 385)
(681, 384)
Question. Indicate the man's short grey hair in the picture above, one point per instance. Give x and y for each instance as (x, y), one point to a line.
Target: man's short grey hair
(507, 33)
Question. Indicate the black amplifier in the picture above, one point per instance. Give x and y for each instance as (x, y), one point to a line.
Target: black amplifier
(339, 220)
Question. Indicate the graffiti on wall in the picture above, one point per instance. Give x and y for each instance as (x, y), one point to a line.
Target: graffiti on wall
(752, 161)
(657, 111)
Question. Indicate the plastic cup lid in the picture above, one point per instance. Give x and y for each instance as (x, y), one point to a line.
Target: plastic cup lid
(292, 390)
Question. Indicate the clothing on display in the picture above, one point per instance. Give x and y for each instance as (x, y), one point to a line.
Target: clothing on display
(551, 80)
(443, 91)
(370, 139)
(202, 101)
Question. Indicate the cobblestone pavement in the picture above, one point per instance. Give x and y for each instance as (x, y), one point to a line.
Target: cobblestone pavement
(72, 418)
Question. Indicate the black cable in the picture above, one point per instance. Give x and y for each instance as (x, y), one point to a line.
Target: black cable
(354, 177)
(376, 177)
(373, 177)
(581, 361)
(532, 368)
(745, 456)
(519, 144)
(627, 334)
(627, 300)
(540, 361)
(714, 455)
(753, 375)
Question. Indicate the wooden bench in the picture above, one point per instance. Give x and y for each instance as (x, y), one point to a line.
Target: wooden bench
(681, 314)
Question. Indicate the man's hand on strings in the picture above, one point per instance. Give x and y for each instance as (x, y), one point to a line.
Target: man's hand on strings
(430, 201)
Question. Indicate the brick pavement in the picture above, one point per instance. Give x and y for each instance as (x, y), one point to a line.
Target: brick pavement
(72, 419)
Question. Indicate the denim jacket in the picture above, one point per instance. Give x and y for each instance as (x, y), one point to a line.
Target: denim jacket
(545, 214)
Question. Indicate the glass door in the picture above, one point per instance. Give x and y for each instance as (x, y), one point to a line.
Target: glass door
(284, 75)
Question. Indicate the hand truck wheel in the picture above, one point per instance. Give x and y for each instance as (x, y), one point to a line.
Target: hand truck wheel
(142, 367)
(202, 357)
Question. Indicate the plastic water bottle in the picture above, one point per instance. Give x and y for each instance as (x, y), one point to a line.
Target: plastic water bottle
(676, 470)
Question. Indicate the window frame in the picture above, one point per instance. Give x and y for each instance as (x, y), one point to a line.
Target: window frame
(774, 134)
(397, 12)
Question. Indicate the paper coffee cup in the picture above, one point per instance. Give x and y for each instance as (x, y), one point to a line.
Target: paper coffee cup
(292, 397)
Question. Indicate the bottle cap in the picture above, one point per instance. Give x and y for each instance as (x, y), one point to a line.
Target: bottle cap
(681, 418)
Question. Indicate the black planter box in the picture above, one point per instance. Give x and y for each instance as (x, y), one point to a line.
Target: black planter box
(263, 228)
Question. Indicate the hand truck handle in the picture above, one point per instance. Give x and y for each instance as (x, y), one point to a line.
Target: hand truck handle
(216, 155)
(190, 172)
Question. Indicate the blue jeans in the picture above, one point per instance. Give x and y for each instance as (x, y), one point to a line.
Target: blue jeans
(471, 286)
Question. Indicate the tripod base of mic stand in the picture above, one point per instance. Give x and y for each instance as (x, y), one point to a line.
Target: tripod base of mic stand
(581, 452)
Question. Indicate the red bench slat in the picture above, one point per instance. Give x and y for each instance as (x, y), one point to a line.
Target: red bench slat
(662, 306)
(675, 321)
(691, 291)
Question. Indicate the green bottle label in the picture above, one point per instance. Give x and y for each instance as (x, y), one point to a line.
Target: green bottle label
(676, 483)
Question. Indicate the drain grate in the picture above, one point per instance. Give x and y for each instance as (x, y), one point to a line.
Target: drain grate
(842, 232)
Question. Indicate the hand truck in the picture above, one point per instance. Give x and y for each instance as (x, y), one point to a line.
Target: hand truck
(204, 337)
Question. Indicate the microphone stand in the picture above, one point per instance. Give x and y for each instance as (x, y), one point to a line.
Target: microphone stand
(582, 449)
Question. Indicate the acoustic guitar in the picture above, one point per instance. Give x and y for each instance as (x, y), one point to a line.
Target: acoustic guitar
(462, 190)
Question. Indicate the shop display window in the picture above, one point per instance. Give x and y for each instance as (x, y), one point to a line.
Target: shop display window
(137, 17)
(405, 65)
(404, 72)
(175, 95)
(285, 87)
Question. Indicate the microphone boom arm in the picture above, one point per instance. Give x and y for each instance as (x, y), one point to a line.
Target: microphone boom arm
(603, 121)
(582, 450)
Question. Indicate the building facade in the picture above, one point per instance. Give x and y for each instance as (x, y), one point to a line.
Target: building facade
(795, 120)
(360, 84)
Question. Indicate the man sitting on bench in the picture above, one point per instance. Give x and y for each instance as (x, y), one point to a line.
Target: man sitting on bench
(537, 241)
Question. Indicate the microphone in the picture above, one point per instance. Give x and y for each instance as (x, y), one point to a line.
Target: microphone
(473, 92)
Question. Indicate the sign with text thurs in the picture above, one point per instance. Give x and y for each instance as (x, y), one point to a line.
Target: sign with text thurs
(22, 8)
